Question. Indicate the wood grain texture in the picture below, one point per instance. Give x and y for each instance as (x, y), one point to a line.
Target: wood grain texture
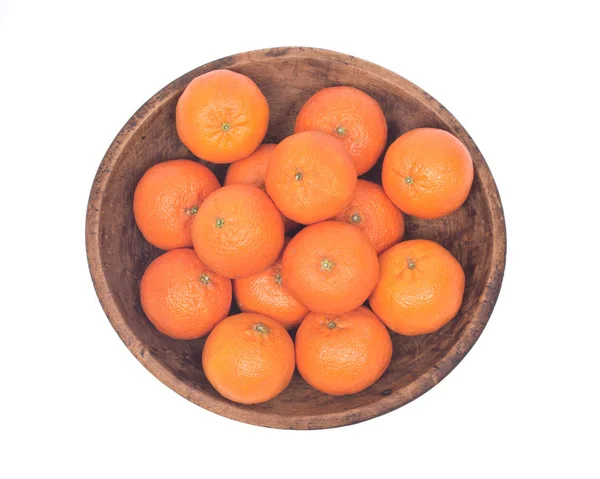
(118, 255)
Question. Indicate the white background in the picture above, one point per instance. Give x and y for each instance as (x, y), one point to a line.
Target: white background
(521, 77)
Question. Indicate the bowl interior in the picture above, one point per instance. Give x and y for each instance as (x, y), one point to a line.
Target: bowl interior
(287, 78)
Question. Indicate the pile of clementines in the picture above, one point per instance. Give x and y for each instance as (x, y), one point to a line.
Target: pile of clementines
(344, 245)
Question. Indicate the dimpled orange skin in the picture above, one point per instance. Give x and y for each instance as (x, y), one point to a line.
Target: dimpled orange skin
(310, 177)
(350, 115)
(427, 173)
(252, 171)
(330, 267)
(222, 116)
(238, 231)
(182, 297)
(342, 354)
(420, 287)
(166, 199)
(372, 211)
(265, 294)
(249, 358)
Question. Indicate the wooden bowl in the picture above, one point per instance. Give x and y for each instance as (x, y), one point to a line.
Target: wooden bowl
(118, 255)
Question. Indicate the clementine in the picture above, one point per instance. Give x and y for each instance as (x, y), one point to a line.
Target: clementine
(342, 354)
(310, 177)
(249, 358)
(252, 171)
(330, 267)
(427, 173)
(238, 231)
(181, 297)
(222, 116)
(420, 287)
(264, 293)
(372, 211)
(352, 116)
(167, 198)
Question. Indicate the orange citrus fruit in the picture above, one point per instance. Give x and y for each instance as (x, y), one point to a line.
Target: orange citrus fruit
(265, 293)
(330, 267)
(238, 231)
(182, 297)
(167, 198)
(310, 177)
(372, 211)
(420, 287)
(427, 173)
(222, 116)
(342, 354)
(350, 115)
(249, 358)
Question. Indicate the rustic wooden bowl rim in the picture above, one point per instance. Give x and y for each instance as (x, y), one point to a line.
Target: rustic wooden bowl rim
(387, 403)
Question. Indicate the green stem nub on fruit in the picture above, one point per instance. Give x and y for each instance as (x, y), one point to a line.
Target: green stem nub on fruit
(298, 176)
(355, 218)
(340, 130)
(278, 279)
(408, 180)
(260, 328)
(192, 211)
(326, 265)
(411, 264)
(331, 325)
(205, 279)
(225, 127)
(219, 223)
